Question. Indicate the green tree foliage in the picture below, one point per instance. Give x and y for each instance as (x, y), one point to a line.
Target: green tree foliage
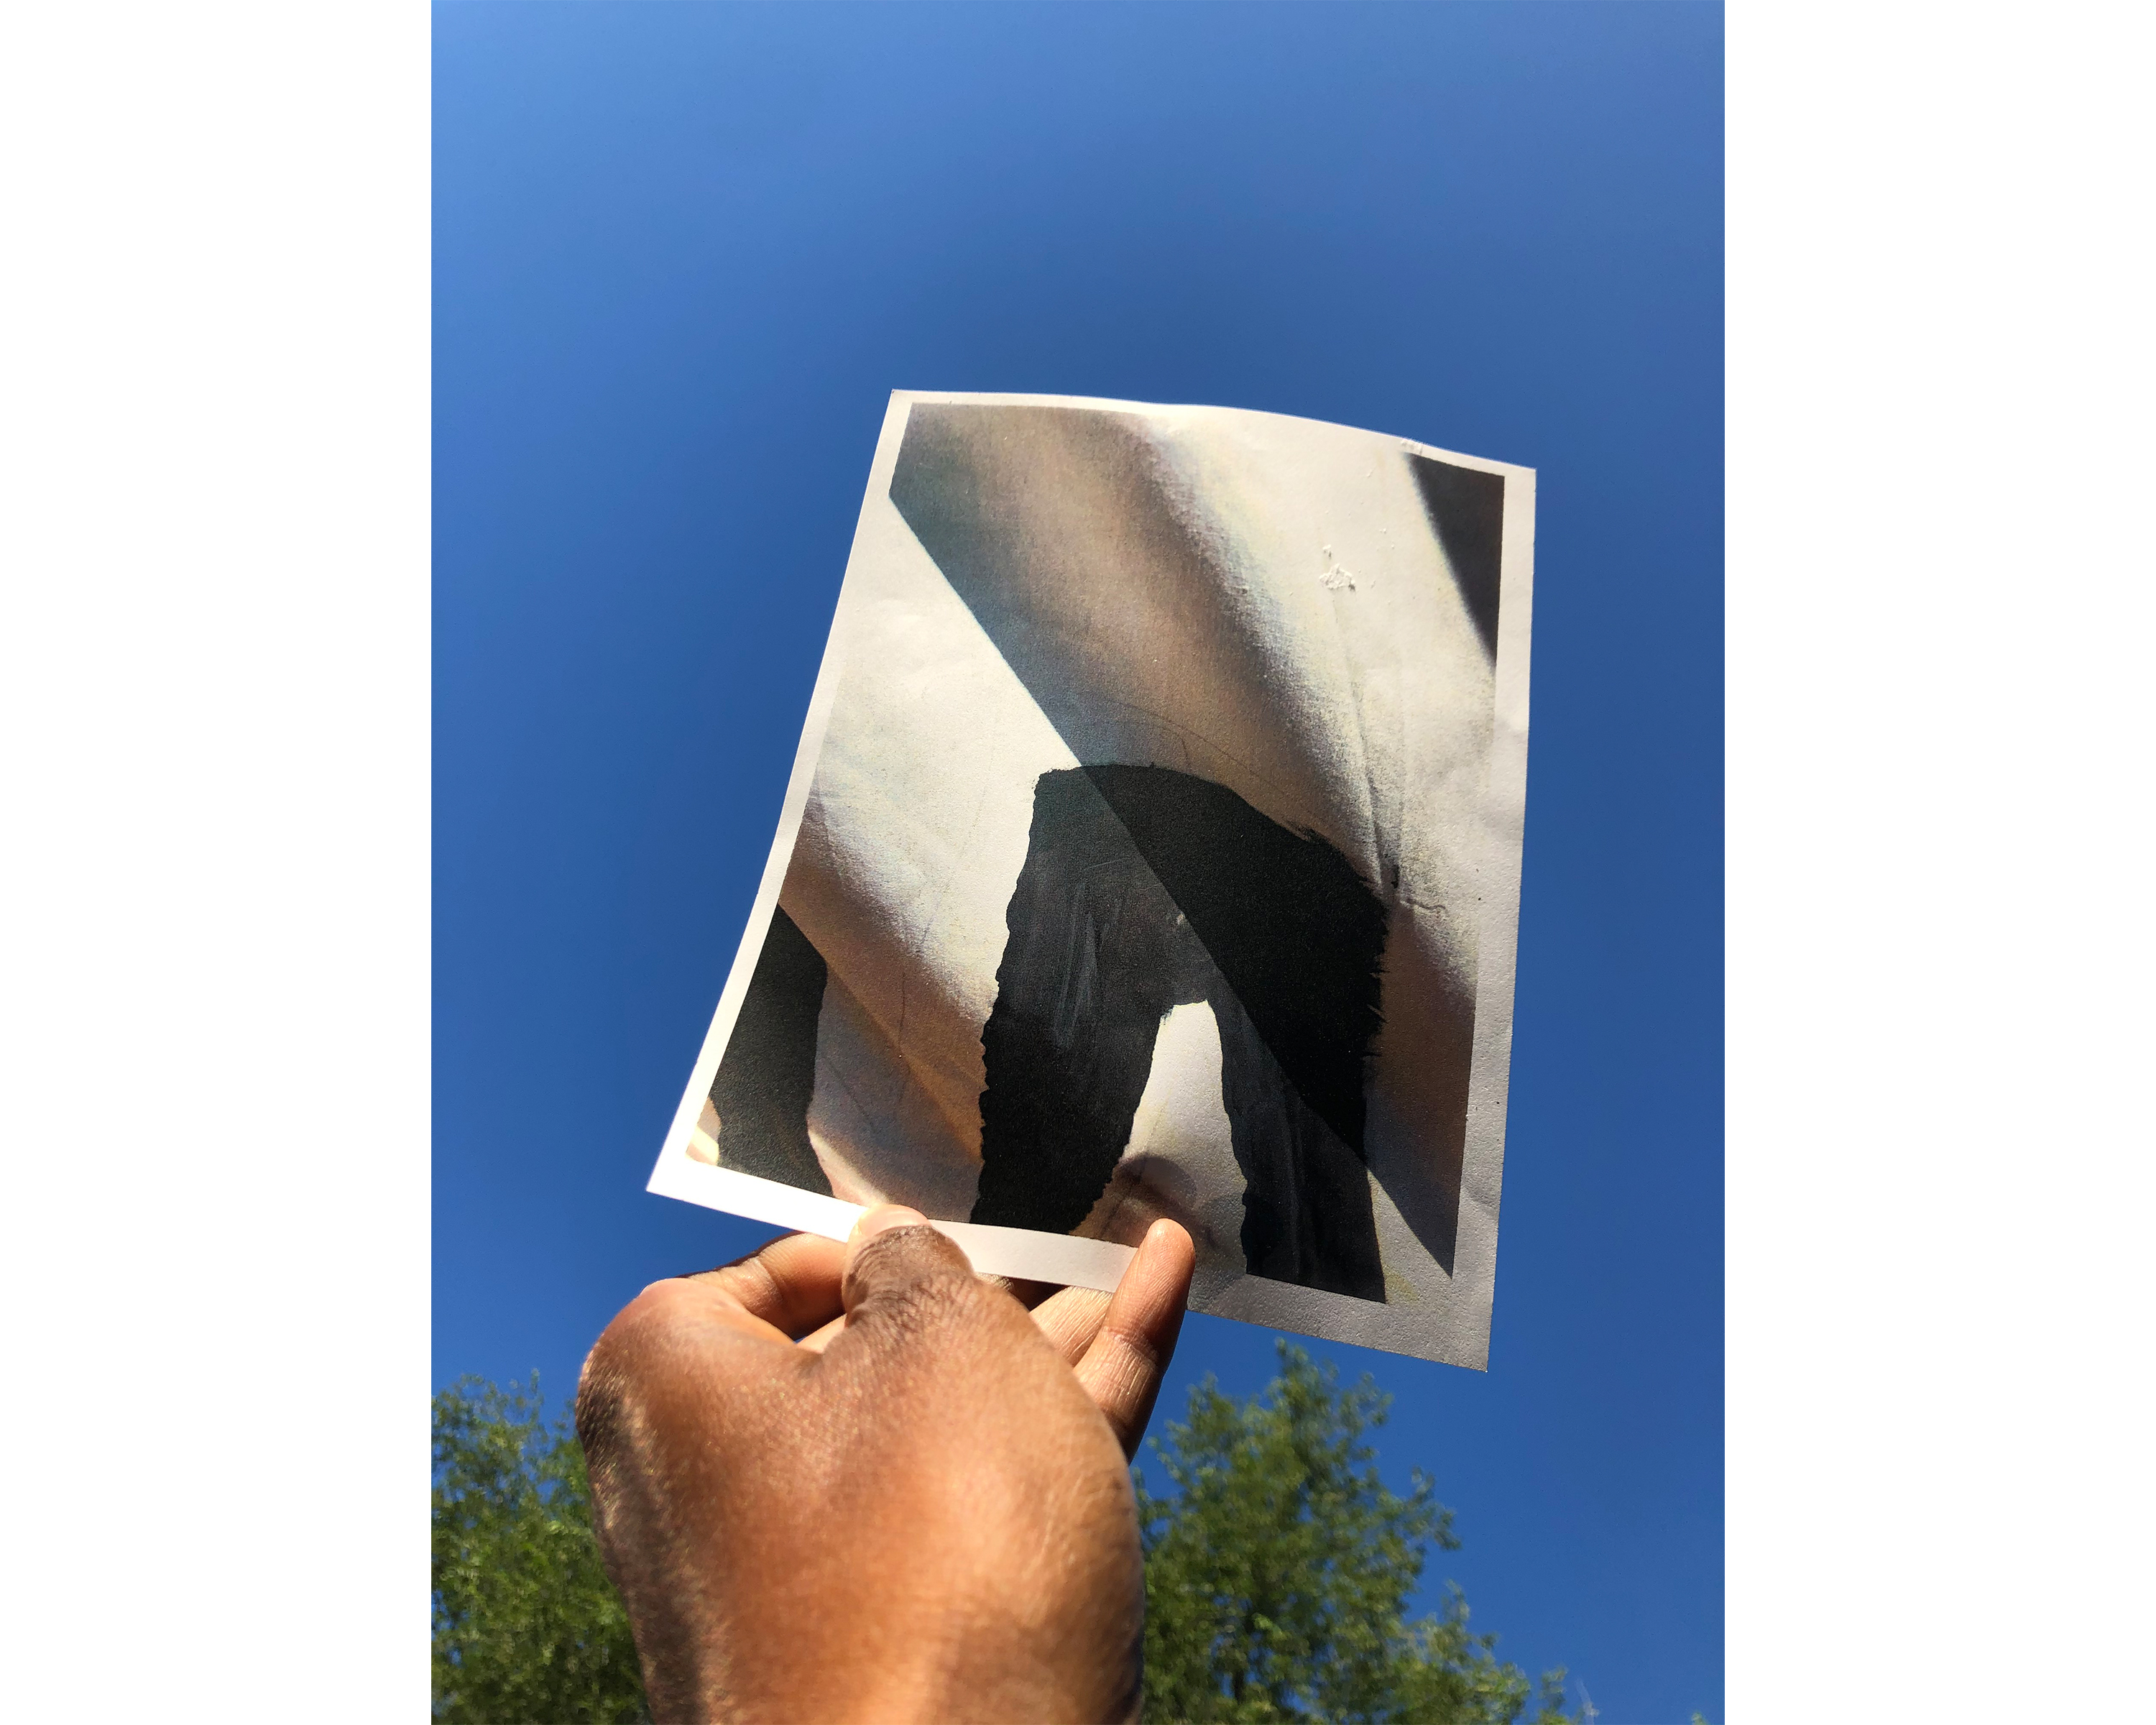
(1279, 1568)
(1277, 1573)
(527, 1628)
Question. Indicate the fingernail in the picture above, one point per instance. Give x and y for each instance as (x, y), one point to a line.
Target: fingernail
(885, 1216)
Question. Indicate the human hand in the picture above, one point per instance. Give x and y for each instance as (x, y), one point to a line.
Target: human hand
(860, 1483)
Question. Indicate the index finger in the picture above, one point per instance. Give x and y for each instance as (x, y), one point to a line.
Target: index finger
(1123, 1368)
(791, 1284)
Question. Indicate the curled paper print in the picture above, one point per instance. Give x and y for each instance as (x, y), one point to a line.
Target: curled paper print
(1107, 806)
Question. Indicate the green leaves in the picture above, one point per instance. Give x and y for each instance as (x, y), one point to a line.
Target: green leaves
(1279, 1566)
(1278, 1569)
(526, 1626)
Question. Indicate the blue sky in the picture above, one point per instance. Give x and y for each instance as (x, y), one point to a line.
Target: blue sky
(682, 255)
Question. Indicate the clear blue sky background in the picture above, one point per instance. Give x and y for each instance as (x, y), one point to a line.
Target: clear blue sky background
(684, 252)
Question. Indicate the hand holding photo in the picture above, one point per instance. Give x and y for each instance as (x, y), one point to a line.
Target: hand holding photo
(1152, 850)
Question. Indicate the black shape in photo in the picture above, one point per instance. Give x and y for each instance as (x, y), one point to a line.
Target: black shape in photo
(1144, 889)
(1306, 1212)
(769, 1073)
(1467, 510)
(1299, 936)
(1097, 954)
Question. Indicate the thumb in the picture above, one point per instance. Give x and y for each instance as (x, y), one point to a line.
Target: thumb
(892, 1257)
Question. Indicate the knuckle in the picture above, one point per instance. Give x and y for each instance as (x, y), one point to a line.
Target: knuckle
(1131, 1342)
(647, 1324)
(933, 1301)
(756, 1285)
(917, 1284)
(619, 1361)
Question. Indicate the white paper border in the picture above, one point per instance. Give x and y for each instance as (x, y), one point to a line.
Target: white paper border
(1457, 1332)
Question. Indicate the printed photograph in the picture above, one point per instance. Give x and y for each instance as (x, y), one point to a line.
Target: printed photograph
(1154, 850)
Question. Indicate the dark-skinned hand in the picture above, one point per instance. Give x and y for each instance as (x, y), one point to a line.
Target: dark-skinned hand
(838, 1483)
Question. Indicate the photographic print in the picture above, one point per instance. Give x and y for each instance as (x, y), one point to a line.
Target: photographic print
(1152, 850)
